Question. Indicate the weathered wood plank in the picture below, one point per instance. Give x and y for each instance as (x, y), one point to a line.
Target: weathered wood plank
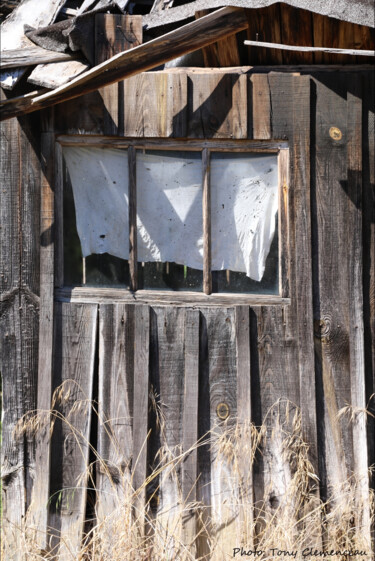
(244, 417)
(261, 106)
(74, 357)
(296, 29)
(188, 38)
(19, 316)
(190, 427)
(264, 25)
(115, 434)
(356, 325)
(195, 299)
(39, 509)
(168, 381)
(115, 34)
(222, 373)
(163, 111)
(303, 49)
(222, 53)
(330, 268)
(31, 56)
(56, 74)
(368, 217)
(206, 207)
(140, 404)
(284, 223)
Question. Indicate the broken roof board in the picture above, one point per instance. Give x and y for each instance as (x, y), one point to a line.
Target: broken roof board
(185, 39)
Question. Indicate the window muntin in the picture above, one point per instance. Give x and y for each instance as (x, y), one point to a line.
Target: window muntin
(167, 164)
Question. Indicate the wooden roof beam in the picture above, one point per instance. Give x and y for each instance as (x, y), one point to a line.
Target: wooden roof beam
(190, 37)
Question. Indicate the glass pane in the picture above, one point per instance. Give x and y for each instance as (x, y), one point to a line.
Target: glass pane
(244, 201)
(169, 220)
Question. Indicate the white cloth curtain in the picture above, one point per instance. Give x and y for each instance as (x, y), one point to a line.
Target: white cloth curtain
(169, 206)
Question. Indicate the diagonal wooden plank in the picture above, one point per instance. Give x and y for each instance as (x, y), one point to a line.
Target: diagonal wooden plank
(188, 38)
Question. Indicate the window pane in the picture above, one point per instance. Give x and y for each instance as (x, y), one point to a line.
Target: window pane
(169, 219)
(244, 200)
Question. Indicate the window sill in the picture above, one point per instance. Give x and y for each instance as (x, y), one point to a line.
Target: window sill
(191, 299)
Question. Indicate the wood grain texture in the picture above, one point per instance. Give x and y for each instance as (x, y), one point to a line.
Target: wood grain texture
(19, 315)
(188, 38)
(115, 34)
(190, 426)
(41, 490)
(56, 74)
(330, 282)
(296, 29)
(222, 53)
(74, 353)
(368, 217)
(156, 105)
(215, 104)
(31, 56)
(261, 107)
(264, 25)
(355, 298)
(115, 431)
(140, 403)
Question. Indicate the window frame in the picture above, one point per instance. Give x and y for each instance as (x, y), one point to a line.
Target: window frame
(97, 294)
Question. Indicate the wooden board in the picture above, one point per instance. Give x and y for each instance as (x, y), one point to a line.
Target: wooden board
(115, 430)
(163, 111)
(115, 34)
(74, 356)
(222, 53)
(39, 510)
(19, 316)
(57, 73)
(217, 106)
(330, 277)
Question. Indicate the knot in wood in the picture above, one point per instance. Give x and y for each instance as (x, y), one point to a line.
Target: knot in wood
(222, 411)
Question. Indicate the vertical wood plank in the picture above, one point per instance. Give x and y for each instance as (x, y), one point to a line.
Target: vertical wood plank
(140, 403)
(211, 106)
(133, 263)
(330, 251)
(178, 101)
(242, 335)
(39, 510)
(115, 34)
(75, 328)
(356, 327)
(115, 434)
(190, 426)
(369, 255)
(264, 25)
(206, 205)
(223, 414)
(261, 104)
(239, 105)
(296, 29)
(19, 316)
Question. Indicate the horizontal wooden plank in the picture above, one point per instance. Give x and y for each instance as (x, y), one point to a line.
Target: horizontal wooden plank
(186, 39)
(97, 295)
(169, 144)
(31, 56)
(331, 50)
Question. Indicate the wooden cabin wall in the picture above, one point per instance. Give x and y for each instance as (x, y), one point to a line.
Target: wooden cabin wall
(316, 353)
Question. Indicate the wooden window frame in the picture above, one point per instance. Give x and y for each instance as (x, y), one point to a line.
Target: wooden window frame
(179, 298)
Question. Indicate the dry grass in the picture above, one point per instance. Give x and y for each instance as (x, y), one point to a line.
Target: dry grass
(288, 516)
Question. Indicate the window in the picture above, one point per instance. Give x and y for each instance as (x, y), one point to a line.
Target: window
(182, 216)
